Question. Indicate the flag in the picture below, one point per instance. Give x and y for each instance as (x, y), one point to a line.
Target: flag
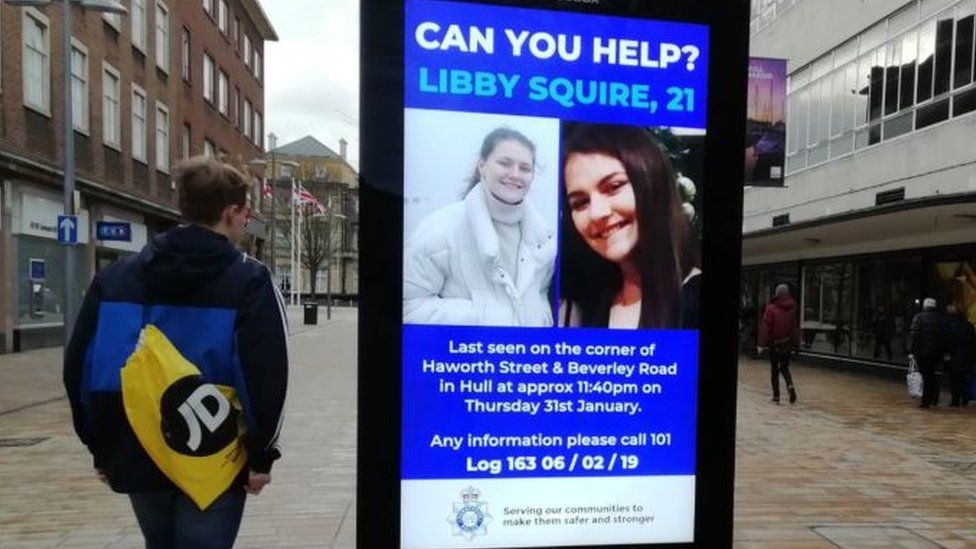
(303, 197)
(265, 188)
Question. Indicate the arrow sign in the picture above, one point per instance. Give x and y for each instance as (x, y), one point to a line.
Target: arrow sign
(68, 229)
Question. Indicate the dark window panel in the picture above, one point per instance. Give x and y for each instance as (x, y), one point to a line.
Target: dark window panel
(932, 114)
(877, 88)
(964, 51)
(964, 102)
(943, 55)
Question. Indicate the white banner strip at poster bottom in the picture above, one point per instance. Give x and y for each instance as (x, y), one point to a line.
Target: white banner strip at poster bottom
(544, 512)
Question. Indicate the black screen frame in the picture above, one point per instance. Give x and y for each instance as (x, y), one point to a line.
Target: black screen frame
(381, 257)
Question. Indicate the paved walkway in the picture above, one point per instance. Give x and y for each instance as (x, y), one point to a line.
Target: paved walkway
(854, 464)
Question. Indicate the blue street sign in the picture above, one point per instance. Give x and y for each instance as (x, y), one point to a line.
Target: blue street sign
(37, 270)
(114, 230)
(68, 229)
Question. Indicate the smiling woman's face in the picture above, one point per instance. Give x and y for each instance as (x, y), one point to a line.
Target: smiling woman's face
(602, 204)
(508, 171)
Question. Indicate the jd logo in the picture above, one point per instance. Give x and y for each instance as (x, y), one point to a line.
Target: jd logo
(197, 419)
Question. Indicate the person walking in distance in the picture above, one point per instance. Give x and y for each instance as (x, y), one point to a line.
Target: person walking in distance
(780, 333)
(929, 347)
(222, 313)
(962, 344)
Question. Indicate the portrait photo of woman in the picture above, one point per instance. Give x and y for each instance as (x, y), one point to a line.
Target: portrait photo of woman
(487, 257)
(627, 258)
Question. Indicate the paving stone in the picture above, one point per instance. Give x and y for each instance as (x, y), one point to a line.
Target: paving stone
(853, 452)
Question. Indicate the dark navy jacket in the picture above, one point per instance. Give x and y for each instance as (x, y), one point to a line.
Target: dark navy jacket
(221, 311)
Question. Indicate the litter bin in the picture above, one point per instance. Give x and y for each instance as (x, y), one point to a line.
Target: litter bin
(311, 309)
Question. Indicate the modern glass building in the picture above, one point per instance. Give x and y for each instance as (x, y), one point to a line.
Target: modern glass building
(878, 209)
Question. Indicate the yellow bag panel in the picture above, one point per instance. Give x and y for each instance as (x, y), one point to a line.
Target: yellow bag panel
(199, 448)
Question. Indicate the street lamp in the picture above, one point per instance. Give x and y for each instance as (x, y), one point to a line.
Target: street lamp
(70, 258)
(273, 143)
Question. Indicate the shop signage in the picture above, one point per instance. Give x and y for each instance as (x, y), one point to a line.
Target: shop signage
(114, 230)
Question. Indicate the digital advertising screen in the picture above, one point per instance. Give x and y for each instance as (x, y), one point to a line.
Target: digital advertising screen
(766, 123)
(551, 276)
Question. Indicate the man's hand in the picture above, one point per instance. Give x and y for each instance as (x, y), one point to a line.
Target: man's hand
(101, 476)
(760, 350)
(256, 482)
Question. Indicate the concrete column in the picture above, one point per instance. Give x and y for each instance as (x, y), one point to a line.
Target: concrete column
(7, 273)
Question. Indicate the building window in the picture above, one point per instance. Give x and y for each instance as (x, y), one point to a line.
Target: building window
(111, 122)
(208, 77)
(37, 62)
(236, 109)
(248, 114)
(222, 93)
(185, 54)
(79, 87)
(257, 65)
(964, 44)
(162, 137)
(208, 6)
(943, 53)
(186, 147)
(826, 317)
(209, 149)
(139, 24)
(114, 20)
(247, 51)
(258, 130)
(236, 35)
(162, 36)
(222, 16)
(139, 123)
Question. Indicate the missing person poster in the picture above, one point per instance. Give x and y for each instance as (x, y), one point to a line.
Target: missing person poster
(551, 277)
(765, 122)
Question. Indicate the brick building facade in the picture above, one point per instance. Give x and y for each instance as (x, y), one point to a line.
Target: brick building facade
(166, 81)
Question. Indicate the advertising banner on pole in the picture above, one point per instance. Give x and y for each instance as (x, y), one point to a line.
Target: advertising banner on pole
(766, 123)
(547, 387)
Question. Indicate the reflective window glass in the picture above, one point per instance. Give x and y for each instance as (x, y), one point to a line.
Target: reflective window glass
(943, 52)
(963, 73)
(926, 61)
(909, 53)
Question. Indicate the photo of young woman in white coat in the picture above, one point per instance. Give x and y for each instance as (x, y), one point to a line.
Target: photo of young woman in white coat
(488, 259)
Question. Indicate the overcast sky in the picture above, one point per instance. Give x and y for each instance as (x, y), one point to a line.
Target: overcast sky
(312, 72)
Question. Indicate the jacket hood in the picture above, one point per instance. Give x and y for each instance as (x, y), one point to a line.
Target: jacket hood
(184, 258)
(785, 303)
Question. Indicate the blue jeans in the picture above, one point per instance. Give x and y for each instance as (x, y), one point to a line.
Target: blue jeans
(170, 520)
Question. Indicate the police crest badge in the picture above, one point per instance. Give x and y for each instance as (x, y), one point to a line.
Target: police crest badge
(470, 516)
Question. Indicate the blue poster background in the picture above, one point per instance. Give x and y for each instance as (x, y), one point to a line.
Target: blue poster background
(427, 411)
(423, 66)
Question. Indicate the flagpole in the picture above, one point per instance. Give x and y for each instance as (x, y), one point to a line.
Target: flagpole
(298, 256)
(291, 257)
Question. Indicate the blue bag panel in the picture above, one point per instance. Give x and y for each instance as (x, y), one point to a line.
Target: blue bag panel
(115, 339)
(203, 335)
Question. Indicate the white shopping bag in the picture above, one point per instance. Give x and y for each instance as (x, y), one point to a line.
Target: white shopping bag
(913, 379)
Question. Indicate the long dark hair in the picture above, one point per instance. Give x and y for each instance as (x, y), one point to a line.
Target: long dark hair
(488, 146)
(664, 253)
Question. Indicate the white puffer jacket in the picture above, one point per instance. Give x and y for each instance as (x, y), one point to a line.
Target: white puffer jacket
(453, 273)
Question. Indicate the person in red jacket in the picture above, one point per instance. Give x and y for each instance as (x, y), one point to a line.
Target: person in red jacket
(780, 333)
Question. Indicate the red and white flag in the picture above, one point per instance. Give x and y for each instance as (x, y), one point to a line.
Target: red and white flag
(303, 197)
(265, 188)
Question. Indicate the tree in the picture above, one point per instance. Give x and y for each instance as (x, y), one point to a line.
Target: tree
(317, 246)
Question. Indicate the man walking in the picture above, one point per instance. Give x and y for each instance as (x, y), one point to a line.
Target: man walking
(962, 346)
(223, 314)
(929, 347)
(780, 333)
